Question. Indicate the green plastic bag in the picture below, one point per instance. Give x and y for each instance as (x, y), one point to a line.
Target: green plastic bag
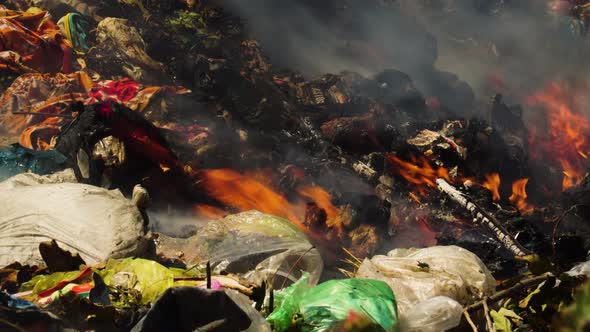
(320, 308)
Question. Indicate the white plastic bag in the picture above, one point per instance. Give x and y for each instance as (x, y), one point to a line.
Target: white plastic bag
(580, 270)
(416, 275)
(94, 222)
(433, 315)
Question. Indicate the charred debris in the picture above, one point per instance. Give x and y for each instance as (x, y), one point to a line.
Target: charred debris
(160, 172)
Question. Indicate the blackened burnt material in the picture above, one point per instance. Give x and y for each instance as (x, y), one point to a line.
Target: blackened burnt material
(97, 121)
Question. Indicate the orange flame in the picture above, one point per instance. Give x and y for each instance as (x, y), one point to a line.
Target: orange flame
(322, 198)
(419, 172)
(492, 183)
(568, 129)
(244, 193)
(519, 196)
(253, 191)
(209, 211)
(415, 198)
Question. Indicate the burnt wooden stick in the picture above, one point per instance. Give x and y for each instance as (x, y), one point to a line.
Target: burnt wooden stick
(482, 217)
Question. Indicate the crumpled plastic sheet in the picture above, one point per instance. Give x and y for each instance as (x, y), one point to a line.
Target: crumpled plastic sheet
(149, 278)
(146, 277)
(581, 269)
(328, 303)
(433, 315)
(258, 246)
(43, 282)
(416, 275)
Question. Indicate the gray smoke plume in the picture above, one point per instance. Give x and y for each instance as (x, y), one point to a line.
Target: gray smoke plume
(493, 45)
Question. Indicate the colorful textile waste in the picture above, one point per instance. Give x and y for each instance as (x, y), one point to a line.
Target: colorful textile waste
(132, 281)
(36, 105)
(32, 42)
(129, 93)
(138, 136)
(75, 27)
(43, 95)
(15, 160)
(82, 291)
(80, 286)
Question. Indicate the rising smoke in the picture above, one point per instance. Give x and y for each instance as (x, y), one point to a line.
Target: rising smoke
(494, 45)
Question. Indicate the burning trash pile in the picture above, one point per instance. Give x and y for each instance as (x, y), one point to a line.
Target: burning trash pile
(160, 173)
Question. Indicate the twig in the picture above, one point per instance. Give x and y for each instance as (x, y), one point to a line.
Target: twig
(481, 216)
(469, 320)
(346, 273)
(68, 116)
(560, 220)
(208, 270)
(353, 257)
(486, 312)
(509, 291)
(189, 278)
(271, 301)
(292, 267)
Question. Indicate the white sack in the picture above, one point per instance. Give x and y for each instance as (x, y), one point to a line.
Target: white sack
(92, 221)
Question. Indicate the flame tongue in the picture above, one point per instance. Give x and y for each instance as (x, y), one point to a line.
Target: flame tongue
(419, 172)
(565, 143)
(321, 198)
(252, 191)
(245, 192)
(492, 183)
(519, 196)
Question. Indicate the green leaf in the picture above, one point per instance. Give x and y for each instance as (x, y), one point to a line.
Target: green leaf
(501, 322)
(524, 303)
(537, 264)
(510, 314)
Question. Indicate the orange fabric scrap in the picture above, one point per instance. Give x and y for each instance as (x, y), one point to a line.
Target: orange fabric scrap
(32, 42)
(41, 95)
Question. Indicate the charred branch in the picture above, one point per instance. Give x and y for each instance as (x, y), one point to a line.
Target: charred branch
(482, 217)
